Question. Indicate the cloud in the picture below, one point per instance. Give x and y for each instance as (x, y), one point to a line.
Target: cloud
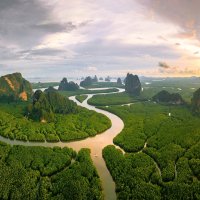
(169, 70)
(183, 13)
(80, 36)
(91, 69)
(116, 49)
(26, 22)
(55, 27)
(162, 38)
(180, 71)
(163, 65)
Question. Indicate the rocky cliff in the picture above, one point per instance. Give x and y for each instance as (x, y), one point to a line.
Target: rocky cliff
(67, 86)
(14, 87)
(196, 102)
(132, 84)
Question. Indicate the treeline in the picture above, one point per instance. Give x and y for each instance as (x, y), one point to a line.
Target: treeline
(165, 97)
(168, 144)
(112, 99)
(137, 177)
(88, 81)
(47, 173)
(82, 124)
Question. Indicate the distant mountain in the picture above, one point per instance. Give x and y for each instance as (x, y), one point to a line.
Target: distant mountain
(165, 97)
(119, 81)
(196, 102)
(14, 87)
(50, 89)
(107, 79)
(67, 86)
(88, 81)
(132, 84)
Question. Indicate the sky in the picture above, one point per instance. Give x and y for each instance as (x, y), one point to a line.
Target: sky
(43, 38)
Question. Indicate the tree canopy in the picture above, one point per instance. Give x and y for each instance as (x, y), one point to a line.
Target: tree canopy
(46, 104)
(67, 86)
(165, 97)
(132, 84)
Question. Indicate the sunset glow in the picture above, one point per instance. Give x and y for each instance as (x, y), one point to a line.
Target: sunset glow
(112, 37)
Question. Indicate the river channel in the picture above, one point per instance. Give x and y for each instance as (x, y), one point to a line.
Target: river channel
(95, 144)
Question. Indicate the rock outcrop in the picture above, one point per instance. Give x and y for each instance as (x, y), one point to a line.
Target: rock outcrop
(119, 81)
(14, 87)
(196, 102)
(132, 85)
(67, 86)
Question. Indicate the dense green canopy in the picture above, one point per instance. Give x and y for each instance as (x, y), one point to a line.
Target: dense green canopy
(41, 173)
(132, 84)
(196, 102)
(46, 104)
(165, 97)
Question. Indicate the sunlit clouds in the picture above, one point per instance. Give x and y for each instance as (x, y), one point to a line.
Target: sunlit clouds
(79, 38)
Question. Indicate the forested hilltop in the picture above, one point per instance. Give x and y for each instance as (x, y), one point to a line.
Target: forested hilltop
(45, 115)
(161, 144)
(46, 104)
(31, 173)
(14, 87)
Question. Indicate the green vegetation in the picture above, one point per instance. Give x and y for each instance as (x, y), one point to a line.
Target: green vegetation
(14, 87)
(111, 99)
(184, 86)
(50, 89)
(82, 124)
(88, 81)
(46, 104)
(163, 152)
(196, 102)
(44, 85)
(84, 91)
(81, 98)
(132, 84)
(67, 86)
(45, 173)
(165, 97)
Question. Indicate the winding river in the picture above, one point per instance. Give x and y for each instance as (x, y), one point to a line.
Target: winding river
(95, 144)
